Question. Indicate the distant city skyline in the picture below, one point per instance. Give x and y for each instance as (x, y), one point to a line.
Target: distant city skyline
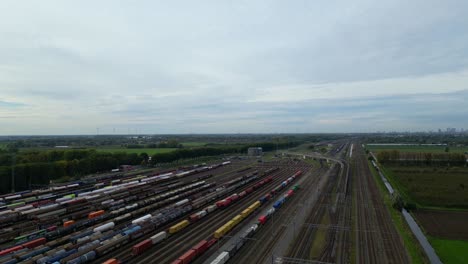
(222, 67)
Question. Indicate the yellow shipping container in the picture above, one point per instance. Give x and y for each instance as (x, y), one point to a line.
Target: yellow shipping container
(237, 219)
(255, 205)
(220, 232)
(246, 212)
(229, 225)
(179, 226)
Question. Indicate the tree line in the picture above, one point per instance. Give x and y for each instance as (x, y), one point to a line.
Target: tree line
(36, 168)
(421, 158)
(41, 167)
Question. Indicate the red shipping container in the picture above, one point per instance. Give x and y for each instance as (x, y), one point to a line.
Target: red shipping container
(234, 197)
(242, 194)
(211, 242)
(219, 204)
(9, 250)
(51, 228)
(177, 261)
(262, 219)
(290, 192)
(35, 243)
(68, 223)
(201, 247)
(141, 247)
(188, 256)
(195, 217)
(111, 261)
(249, 190)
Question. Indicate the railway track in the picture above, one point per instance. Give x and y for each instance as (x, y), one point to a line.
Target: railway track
(324, 237)
(124, 253)
(260, 250)
(203, 229)
(301, 248)
(376, 238)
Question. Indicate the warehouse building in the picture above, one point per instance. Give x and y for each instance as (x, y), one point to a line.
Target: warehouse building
(256, 151)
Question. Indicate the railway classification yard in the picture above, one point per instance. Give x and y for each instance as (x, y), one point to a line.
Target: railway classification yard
(296, 208)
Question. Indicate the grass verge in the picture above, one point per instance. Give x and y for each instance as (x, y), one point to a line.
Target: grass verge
(320, 238)
(450, 251)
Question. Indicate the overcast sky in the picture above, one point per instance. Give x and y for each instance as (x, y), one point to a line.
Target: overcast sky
(69, 67)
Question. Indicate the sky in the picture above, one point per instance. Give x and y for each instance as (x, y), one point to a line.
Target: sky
(158, 67)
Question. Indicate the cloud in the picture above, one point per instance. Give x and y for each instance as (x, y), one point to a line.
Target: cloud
(212, 67)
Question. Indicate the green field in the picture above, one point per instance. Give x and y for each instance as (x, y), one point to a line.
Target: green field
(193, 144)
(450, 251)
(149, 151)
(432, 149)
(431, 186)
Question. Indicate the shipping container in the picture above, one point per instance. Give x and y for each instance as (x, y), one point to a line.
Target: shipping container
(141, 247)
(141, 219)
(221, 258)
(95, 214)
(104, 227)
(201, 247)
(35, 243)
(246, 212)
(262, 219)
(179, 226)
(68, 223)
(111, 261)
(188, 256)
(10, 250)
(158, 237)
(237, 219)
(211, 208)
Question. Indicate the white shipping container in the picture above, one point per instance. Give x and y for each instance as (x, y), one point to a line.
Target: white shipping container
(13, 197)
(141, 219)
(158, 237)
(30, 211)
(23, 208)
(221, 258)
(107, 201)
(211, 208)
(7, 212)
(104, 227)
(182, 202)
(63, 199)
(202, 213)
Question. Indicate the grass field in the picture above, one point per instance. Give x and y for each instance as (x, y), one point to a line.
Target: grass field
(431, 186)
(450, 251)
(443, 224)
(432, 149)
(149, 151)
(193, 144)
